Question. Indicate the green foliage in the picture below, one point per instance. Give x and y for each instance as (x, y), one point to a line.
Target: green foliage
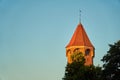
(78, 57)
(78, 71)
(111, 66)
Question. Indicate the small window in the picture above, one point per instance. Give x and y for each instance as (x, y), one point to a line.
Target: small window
(76, 50)
(87, 52)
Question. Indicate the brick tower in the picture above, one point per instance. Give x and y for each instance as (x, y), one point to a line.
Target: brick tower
(80, 42)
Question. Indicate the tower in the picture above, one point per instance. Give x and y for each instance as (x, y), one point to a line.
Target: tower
(80, 42)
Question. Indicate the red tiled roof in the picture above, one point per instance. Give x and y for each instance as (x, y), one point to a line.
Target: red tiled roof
(80, 38)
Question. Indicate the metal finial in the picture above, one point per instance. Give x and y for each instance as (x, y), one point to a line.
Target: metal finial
(79, 16)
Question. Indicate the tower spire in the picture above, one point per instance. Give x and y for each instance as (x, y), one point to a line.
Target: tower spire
(80, 16)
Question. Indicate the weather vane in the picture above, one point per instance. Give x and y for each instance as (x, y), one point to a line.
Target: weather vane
(79, 16)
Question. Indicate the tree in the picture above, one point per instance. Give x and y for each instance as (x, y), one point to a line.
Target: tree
(111, 66)
(78, 71)
(78, 57)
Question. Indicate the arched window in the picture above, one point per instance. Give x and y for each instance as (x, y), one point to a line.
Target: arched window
(87, 52)
(68, 52)
(69, 56)
(76, 49)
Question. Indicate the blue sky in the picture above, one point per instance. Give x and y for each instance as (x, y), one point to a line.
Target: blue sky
(34, 33)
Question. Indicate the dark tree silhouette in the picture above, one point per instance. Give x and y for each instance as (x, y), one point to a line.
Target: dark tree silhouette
(111, 66)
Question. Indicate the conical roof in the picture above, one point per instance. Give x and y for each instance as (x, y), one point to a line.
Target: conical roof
(80, 38)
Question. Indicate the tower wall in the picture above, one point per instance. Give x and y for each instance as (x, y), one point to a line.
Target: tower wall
(88, 57)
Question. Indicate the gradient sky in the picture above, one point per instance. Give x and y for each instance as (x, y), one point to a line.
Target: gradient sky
(34, 33)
